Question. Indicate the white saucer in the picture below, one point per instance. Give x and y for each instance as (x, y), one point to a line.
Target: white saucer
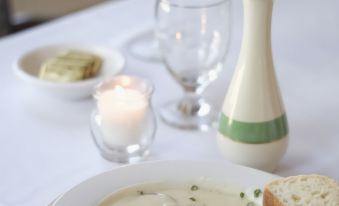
(27, 67)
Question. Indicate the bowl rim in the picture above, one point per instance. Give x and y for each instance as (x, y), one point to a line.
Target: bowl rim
(156, 164)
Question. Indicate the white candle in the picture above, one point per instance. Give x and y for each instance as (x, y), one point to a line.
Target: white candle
(122, 116)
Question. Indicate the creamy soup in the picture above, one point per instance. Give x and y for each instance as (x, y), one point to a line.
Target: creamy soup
(165, 194)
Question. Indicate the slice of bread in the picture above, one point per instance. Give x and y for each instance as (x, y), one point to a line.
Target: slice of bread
(303, 190)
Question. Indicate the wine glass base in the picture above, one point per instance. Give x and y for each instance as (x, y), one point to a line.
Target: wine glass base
(144, 47)
(203, 119)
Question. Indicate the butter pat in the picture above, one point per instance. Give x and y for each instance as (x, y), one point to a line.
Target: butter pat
(70, 66)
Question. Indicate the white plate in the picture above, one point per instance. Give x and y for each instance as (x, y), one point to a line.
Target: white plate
(91, 191)
(27, 67)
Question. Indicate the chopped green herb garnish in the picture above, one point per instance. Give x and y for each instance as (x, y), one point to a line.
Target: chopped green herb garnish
(257, 192)
(193, 199)
(194, 188)
(250, 204)
(140, 192)
(242, 195)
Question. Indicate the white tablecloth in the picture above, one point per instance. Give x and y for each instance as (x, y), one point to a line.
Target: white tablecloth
(46, 146)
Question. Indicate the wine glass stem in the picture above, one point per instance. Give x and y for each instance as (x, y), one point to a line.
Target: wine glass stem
(192, 104)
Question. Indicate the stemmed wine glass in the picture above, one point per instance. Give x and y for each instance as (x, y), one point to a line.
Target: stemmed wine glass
(143, 45)
(193, 38)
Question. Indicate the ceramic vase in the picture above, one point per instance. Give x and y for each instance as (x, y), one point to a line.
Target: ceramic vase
(253, 128)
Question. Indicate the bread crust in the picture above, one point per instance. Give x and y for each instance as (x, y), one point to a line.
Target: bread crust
(269, 199)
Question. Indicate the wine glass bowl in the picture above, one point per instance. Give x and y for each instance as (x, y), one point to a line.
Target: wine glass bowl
(193, 39)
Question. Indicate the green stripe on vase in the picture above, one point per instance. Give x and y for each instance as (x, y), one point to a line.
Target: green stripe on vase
(254, 133)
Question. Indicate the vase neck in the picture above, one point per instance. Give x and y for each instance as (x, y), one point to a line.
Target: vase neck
(257, 28)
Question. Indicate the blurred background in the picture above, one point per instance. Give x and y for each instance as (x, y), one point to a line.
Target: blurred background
(16, 15)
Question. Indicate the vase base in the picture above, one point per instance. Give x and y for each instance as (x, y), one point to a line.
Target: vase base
(264, 156)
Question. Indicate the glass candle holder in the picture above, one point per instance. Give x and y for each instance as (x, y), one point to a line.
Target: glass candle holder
(123, 124)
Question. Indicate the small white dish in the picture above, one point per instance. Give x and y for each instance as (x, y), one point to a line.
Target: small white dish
(92, 191)
(27, 68)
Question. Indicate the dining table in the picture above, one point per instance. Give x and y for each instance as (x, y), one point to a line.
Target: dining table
(45, 142)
